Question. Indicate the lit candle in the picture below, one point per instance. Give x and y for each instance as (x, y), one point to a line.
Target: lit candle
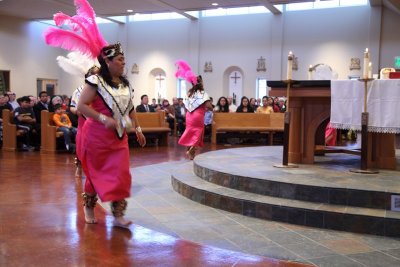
(310, 72)
(369, 70)
(290, 66)
(366, 62)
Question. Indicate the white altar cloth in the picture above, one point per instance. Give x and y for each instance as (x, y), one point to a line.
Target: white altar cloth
(383, 105)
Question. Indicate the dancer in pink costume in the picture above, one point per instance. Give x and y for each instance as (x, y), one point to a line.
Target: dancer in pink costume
(106, 102)
(196, 102)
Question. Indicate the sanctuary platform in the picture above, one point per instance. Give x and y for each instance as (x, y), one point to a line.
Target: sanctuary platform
(323, 195)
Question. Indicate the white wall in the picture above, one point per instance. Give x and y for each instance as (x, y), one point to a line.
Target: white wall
(24, 53)
(330, 36)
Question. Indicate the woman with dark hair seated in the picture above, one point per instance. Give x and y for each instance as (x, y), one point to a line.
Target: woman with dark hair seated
(244, 106)
(222, 105)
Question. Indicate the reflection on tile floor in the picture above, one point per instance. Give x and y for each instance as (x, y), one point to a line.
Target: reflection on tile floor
(154, 204)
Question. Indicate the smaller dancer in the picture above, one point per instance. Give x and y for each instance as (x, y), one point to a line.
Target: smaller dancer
(196, 102)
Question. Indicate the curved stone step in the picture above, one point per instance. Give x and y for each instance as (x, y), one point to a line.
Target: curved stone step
(328, 216)
(329, 181)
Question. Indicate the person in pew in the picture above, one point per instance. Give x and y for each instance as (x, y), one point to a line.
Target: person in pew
(275, 105)
(244, 106)
(282, 104)
(25, 119)
(208, 119)
(197, 102)
(179, 114)
(169, 114)
(42, 104)
(144, 106)
(63, 124)
(55, 100)
(253, 104)
(222, 105)
(12, 100)
(265, 108)
(154, 104)
(3, 105)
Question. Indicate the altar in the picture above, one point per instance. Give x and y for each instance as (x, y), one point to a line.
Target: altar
(310, 107)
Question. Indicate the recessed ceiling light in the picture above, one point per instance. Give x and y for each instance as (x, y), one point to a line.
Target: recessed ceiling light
(129, 10)
(214, 4)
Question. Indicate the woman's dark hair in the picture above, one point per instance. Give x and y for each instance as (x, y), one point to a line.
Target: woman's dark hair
(240, 108)
(105, 73)
(251, 100)
(93, 70)
(198, 87)
(223, 108)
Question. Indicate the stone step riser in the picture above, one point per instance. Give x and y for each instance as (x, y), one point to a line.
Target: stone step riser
(300, 216)
(317, 194)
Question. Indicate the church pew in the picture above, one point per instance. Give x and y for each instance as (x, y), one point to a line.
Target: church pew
(10, 132)
(154, 123)
(49, 132)
(247, 123)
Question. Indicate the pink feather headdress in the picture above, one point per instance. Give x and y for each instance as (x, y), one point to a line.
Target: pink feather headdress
(82, 34)
(184, 71)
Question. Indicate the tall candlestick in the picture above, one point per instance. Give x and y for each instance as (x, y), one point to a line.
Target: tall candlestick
(310, 72)
(369, 70)
(290, 66)
(366, 62)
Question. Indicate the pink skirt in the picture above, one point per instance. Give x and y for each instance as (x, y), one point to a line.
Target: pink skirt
(194, 132)
(105, 161)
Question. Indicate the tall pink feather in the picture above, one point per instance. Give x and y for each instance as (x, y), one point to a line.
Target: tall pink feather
(67, 40)
(84, 9)
(82, 33)
(184, 71)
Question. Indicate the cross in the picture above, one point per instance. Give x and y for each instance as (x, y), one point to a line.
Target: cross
(235, 77)
(160, 79)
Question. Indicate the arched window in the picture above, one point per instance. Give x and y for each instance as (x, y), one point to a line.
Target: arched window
(236, 85)
(159, 83)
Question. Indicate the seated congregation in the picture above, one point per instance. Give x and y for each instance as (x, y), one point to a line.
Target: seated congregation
(49, 124)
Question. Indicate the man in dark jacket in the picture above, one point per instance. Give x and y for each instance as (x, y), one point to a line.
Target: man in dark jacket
(144, 106)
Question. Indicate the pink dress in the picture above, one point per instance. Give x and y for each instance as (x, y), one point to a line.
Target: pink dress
(194, 132)
(81, 122)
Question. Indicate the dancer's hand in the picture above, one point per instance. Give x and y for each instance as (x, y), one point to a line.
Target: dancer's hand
(110, 123)
(141, 139)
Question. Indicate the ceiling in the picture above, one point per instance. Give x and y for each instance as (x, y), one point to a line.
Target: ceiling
(44, 9)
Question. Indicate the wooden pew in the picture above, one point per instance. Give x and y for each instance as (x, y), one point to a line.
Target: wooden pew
(154, 123)
(247, 122)
(10, 132)
(49, 133)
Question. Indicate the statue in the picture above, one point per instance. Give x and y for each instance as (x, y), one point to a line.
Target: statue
(355, 63)
(135, 69)
(261, 64)
(208, 67)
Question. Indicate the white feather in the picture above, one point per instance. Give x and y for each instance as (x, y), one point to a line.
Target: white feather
(75, 63)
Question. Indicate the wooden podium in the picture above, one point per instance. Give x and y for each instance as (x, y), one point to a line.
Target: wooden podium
(310, 107)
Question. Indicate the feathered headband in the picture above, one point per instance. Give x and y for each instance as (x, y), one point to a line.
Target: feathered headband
(184, 71)
(82, 34)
